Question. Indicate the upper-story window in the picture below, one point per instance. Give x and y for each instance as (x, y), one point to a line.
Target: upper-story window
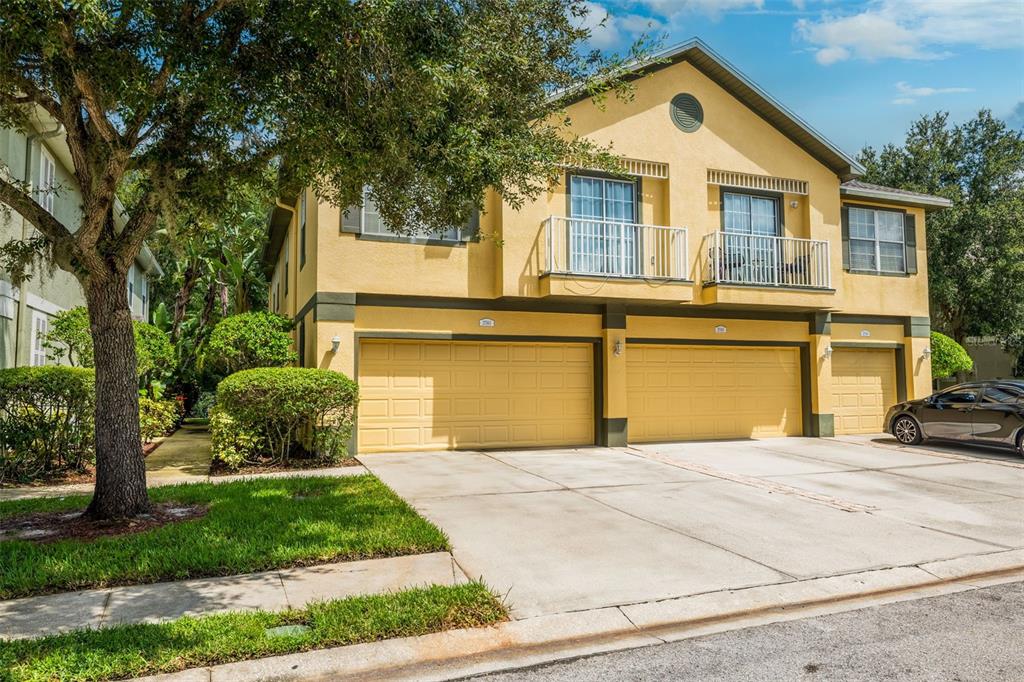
(40, 328)
(302, 230)
(47, 180)
(877, 240)
(287, 256)
(365, 219)
(750, 214)
(602, 230)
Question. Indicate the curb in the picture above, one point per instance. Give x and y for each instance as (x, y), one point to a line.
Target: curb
(543, 639)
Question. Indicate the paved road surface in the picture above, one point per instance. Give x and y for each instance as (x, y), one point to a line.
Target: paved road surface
(975, 635)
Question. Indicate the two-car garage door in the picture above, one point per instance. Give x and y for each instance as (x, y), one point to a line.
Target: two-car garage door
(436, 395)
(677, 392)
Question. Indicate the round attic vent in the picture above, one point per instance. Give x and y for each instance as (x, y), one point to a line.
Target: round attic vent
(687, 113)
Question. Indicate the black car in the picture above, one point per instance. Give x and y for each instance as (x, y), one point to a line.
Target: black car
(983, 412)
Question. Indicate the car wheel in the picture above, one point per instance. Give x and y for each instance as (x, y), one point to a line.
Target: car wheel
(1020, 444)
(907, 430)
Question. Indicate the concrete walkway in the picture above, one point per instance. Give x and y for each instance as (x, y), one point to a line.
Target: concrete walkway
(271, 591)
(185, 454)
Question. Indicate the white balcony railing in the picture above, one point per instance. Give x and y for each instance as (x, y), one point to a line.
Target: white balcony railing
(604, 248)
(733, 258)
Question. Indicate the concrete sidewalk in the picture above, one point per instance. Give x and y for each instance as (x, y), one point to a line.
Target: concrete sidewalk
(270, 591)
(458, 654)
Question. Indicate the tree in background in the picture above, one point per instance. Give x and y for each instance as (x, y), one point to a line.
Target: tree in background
(975, 248)
(428, 102)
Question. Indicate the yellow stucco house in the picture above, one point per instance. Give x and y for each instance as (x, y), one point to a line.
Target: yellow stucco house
(741, 282)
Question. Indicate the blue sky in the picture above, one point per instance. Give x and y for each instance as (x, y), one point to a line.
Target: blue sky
(858, 71)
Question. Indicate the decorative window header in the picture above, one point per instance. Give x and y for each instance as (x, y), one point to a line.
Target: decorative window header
(759, 182)
(638, 167)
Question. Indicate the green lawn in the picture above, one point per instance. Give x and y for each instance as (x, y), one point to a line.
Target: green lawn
(251, 526)
(134, 650)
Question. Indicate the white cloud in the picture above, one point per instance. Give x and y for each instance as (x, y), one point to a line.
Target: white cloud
(914, 29)
(711, 8)
(609, 31)
(910, 94)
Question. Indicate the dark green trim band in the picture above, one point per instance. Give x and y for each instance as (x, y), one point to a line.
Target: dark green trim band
(614, 317)
(841, 318)
(329, 306)
(449, 336)
(820, 323)
(823, 425)
(805, 389)
(901, 374)
(867, 345)
(917, 327)
(598, 398)
(723, 314)
(512, 305)
(614, 432)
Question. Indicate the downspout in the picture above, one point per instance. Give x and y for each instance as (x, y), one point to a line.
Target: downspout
(25, 228)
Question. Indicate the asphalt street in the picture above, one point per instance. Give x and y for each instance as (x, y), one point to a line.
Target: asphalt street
(974, 635)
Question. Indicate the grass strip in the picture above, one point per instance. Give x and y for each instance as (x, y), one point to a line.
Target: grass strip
(147, 649)
(251, 525)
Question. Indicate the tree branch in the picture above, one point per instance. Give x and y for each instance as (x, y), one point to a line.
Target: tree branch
(64, 247)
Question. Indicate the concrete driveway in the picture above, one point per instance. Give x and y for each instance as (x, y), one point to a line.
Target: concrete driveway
(572, 529)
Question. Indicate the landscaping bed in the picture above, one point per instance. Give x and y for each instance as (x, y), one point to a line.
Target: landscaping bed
(249, 526)
(146, 649)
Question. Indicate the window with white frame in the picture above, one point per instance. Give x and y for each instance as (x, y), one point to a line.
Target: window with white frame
(365, 219)
(47, 180)
(40, 328)
(877, 240)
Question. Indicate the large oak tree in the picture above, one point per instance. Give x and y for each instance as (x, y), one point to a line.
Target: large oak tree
(428, 102)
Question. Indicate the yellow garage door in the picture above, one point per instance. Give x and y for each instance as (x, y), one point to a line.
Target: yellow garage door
(696, 392)
(429, 395)
(863, 388)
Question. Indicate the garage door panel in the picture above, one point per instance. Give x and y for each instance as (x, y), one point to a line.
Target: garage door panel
(696, 392)
(451, 394)
(863, 387)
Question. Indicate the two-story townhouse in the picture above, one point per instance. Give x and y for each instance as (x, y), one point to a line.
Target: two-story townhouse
(739, 281)
(41, 158)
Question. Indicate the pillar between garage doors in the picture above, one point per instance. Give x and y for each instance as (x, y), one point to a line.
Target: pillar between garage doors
(822, 418)
(612, 431)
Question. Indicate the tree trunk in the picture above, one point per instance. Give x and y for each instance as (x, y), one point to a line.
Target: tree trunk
(120, 468)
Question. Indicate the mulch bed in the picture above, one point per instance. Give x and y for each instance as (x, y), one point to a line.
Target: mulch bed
(44, 527)
(218, 468)
(88, 475)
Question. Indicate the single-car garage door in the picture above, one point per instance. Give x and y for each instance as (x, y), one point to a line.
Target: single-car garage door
(863, 388)
(428, 395)
(695, 392)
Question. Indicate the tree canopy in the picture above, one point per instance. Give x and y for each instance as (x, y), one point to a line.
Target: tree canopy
(975, 248)
(428, 103)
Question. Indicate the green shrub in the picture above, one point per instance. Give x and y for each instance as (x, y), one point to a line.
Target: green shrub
(69, 337)
(233, 444)
(46, 421)
(948, 357)
(157, 417)
(203, 405)
(247, 341)
(286, 409)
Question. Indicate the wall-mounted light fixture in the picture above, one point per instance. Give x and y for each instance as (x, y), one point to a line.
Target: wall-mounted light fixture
(927, 352)
(617, 348)
(794, 203)
(828, 352)
(335, 344)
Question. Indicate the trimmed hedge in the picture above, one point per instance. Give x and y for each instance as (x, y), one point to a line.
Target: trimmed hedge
(248, 341)
(275, 412)
(157, 417)
(948, 357)
(46, 421)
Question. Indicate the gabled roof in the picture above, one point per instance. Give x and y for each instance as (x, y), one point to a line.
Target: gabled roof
(866, 190)
(732, 80)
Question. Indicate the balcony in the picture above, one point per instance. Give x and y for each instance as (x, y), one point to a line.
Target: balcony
(766, 261)
(750, 269)
(611, 249)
